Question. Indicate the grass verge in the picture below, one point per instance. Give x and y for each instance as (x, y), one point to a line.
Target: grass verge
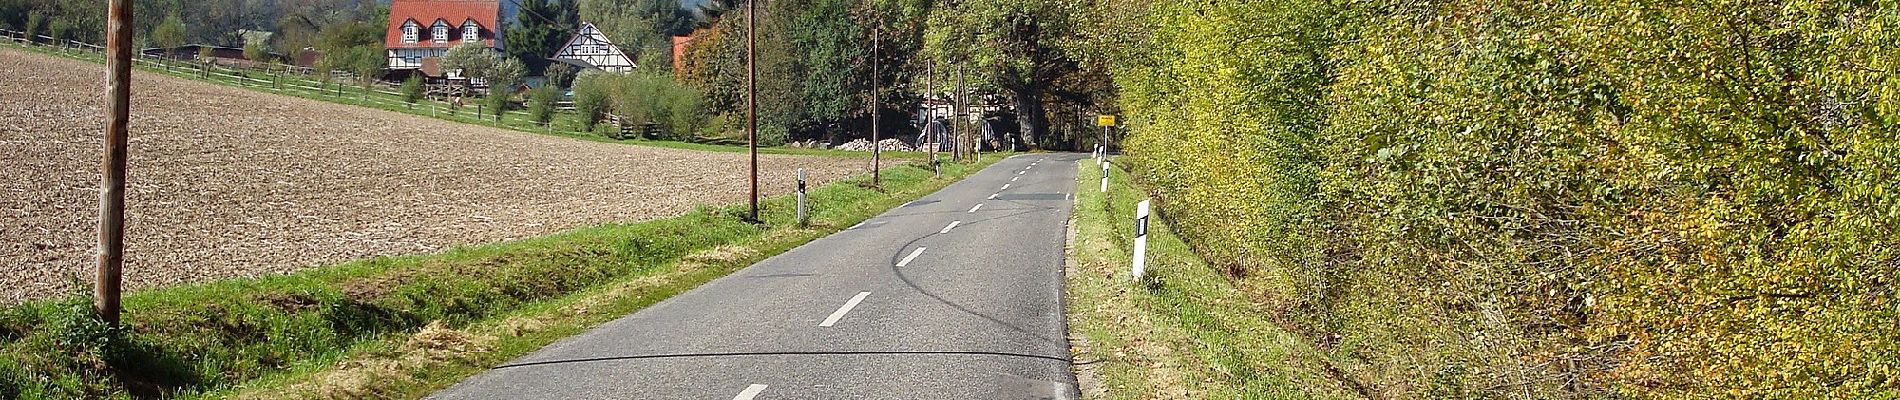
(1186, 332)
(565, 124)
(405, 326)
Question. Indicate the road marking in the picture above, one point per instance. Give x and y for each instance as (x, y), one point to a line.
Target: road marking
(1005, 187)
(993, 196)
(835, 315)
(1021, 172)
(750, 392)
(953, 224)
(913, 256)
(1014, 179)
(973, 209)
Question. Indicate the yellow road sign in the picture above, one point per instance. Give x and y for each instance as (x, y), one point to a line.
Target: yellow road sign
(1105, 120)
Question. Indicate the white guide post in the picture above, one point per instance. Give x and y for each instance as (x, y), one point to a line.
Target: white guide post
(1105, 176)
(801, 197)
(1141, 240)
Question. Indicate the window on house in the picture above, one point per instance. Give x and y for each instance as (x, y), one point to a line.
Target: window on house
(470, 32)
(409, 32)
(440, 34)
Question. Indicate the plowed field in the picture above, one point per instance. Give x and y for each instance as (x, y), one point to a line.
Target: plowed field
(227, 182)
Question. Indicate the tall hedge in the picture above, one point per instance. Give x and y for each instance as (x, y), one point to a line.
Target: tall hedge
(1544, 199)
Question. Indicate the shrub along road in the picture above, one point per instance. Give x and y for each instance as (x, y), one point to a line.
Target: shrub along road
(956, 295)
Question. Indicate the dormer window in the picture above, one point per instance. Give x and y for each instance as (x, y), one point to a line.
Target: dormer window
(440, 33)
(409, 32)
(471, 32)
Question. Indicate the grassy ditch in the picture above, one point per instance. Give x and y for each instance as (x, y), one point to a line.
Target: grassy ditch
(564, 124)
(1186, 332)
(405, 326)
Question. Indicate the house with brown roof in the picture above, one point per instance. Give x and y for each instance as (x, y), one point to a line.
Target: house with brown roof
(422, 31)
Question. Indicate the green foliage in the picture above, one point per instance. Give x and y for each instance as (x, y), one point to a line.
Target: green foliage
(541, 104)
(1584, 199)
(169, 34)
(542, 27)
(412, 89)
(257, 52)
(640, 27)
(356, 47)
(592, 98)
(561, 75)
(473, 60)
(649, 97)
(497, 103)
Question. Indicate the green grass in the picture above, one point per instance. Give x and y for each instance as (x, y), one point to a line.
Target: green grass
(565, 124)
(1186, 332)
(405, 326)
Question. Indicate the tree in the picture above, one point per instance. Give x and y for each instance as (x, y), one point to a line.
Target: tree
(169, 34)
(412, 89)
(471, 60)
(591, 97)
(506, 73)
(542, 26)
(561, 74)
(1014, 45)
(257, 52)
(541, 103)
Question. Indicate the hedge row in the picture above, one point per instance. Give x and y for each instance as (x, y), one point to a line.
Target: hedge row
(1595, 198)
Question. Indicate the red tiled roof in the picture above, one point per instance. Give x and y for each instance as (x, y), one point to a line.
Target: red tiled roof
(453, 12)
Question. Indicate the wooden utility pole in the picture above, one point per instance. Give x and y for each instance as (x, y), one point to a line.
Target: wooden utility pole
(876, 148)
(105, 291)
(752, 99)
(930, 80)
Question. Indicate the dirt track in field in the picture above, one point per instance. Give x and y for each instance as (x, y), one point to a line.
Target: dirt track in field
(228, 182)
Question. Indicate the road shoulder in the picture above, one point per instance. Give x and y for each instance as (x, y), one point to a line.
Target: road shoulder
(1186, 334)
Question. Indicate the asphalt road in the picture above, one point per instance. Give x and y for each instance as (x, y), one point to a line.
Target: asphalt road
(957, 295)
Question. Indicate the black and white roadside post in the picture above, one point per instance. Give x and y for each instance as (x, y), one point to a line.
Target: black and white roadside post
(801, 197)
(1141, 240)
(1105, 176)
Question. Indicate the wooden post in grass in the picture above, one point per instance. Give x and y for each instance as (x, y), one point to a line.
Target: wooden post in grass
(105, 291)
(877, 149)
(752, 101)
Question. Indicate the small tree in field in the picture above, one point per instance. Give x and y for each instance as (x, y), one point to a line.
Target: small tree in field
(497, 100)
(257, 52)
(541, 104)
(591, 98)
(169, 34)
(412, 89)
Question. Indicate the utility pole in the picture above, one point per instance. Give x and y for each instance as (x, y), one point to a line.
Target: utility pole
(752, 100)
(876, 148)
(105, 291)
(930, 80)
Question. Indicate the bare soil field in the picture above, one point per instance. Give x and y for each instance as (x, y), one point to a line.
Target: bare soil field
(227, 182)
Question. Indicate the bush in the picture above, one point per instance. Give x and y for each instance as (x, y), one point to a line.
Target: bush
(1599, 198)
(591, 98)
(412, 89)
(541, 104)
(496, 102)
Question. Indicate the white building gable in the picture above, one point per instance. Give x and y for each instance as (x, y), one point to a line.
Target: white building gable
(590, 48)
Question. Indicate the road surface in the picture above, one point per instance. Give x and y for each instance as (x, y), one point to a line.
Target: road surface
(957, 295)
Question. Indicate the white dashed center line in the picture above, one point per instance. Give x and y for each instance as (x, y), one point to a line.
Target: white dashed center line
(953, 224)
(833, 319)
(993, 196)
(913, 256)
(1015, 178)
(973, 209)
(1005, 187)
(1021, 172)
(750, 392)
